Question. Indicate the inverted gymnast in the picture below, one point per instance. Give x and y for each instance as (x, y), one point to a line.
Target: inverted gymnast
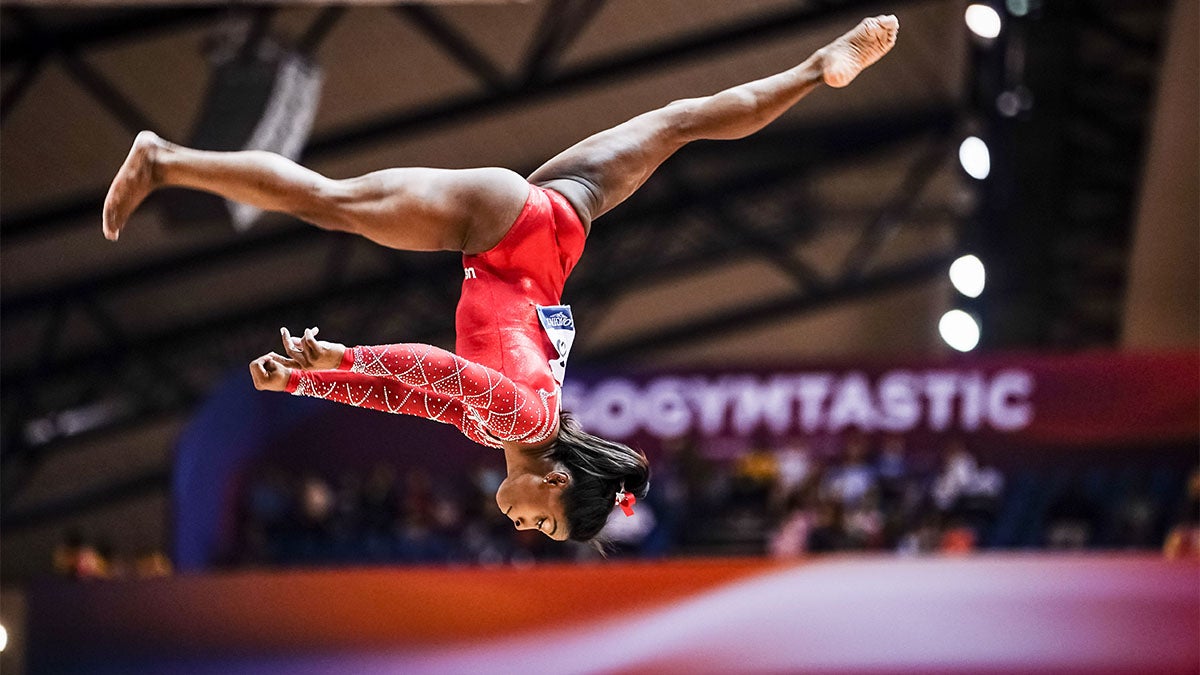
(520, 239)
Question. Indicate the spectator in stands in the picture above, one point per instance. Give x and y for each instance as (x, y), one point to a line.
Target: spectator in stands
(965, 491)
(958, 538)
(270, 499)
(315, 501)
(1134, 519)
(380, 499)
(66, 553)
(864, 523)
(849, 483)
(892, 469)
(791, 538)
(670, 501)
(151, 563)
(707, 487)
(1071, 520)
(755, 474)
(433, 519)
(795, 468)
(418, 500)
(347, 502)
(924, 538)
(90, 563)
(828, 531)
(1183, 539)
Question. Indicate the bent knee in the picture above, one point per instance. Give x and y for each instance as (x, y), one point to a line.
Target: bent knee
(680, 120)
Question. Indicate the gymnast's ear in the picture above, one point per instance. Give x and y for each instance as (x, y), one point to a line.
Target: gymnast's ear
(557, 479)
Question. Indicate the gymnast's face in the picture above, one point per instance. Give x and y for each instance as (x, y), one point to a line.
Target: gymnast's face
(533, 501)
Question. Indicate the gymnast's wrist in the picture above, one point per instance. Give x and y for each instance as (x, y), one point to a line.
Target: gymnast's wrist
(293, 381)
(347, 360)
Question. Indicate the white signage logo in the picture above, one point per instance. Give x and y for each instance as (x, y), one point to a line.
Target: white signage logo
(896, 401)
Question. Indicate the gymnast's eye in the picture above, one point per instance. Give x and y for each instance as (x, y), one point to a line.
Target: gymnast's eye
(540, 522)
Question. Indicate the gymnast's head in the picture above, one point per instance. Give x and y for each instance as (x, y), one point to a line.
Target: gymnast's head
(570, 488)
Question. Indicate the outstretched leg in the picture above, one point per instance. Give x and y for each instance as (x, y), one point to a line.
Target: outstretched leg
(602, 171)
(413, 208)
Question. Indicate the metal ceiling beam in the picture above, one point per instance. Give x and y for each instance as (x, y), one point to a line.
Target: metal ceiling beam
(39, 220)
(105, 30)
(319, 29)
(105, 93)
(740, 234)
(633, 62)
(148, 482)
(821, 145)
(771, 311)
(430, 22)
(91, 80)
(891, 216)
(167, 267)
(16, 89)
(561, 23)
(851, 281)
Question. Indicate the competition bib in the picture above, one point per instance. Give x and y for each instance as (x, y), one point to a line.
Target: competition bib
(560, 328)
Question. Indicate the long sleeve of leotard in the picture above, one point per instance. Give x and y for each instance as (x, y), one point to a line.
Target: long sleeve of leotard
(422, 380)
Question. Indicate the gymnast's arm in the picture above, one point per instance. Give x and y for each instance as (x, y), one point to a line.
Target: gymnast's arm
(507, 410)
(270, 373)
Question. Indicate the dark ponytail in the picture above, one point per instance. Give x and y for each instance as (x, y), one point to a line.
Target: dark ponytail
(598, 470)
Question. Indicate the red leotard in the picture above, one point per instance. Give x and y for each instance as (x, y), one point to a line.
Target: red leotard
(500, 385)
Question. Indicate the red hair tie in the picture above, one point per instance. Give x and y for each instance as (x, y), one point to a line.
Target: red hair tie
(626, 500)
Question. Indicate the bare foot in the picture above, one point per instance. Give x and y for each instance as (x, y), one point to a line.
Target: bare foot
(134, 182)
(844, 58)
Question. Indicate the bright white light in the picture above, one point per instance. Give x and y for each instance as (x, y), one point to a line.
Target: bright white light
(974, 156)
(3, 638)
(967, 275)
(959, 330)
(983, 21)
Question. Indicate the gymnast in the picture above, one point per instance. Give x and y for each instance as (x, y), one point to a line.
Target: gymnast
(520, 239)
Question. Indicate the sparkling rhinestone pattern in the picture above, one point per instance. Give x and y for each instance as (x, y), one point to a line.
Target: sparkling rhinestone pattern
(422, 380)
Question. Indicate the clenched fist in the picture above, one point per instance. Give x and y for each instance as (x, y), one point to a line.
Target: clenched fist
(269, 374)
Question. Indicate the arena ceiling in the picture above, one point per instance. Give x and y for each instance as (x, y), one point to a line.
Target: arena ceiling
(825, 236)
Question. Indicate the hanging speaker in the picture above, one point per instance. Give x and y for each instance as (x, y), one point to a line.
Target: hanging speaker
(259, 98)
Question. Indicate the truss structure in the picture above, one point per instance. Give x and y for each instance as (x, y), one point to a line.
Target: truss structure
(698, 211)
(1080, 80)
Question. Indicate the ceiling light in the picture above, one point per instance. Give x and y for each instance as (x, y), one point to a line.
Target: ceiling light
(983, 21)
(975, 158)
(959, 330)
(968, 276)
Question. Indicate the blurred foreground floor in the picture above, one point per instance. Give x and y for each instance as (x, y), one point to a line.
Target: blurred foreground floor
(981, 614)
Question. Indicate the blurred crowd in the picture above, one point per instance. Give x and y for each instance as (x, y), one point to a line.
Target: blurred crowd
(794, 499)
(381, 515)
(781, 499)
(784, 499)
(80, 557)
(791, 499)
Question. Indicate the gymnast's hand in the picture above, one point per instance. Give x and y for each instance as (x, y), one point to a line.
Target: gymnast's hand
(269, 374)
(309, 353)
